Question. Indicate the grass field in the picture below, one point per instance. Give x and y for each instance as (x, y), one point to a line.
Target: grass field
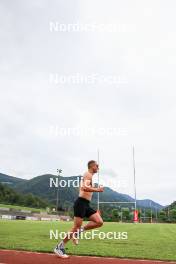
(145, 241)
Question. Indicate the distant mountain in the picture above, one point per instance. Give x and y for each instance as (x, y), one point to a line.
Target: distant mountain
(113, 196)
(10, 180)
(40, 186)
(147, 203)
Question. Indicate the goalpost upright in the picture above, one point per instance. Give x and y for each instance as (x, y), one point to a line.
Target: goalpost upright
(134, 182)
(134, 172)
(98, 194)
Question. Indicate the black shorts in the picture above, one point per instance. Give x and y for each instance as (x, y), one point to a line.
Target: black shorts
(82, 208)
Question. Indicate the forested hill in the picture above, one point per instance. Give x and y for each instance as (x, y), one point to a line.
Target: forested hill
(10, 196)
(40, 186)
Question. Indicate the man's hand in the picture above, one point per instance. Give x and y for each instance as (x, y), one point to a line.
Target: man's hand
(101, 188)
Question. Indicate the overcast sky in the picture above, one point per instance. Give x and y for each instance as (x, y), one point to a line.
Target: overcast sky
(126, 58)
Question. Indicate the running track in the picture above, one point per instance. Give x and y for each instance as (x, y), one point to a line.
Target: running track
(23, 257)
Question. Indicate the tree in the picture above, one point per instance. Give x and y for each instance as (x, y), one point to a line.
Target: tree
(126, 213)
(162, 215)
(173, 215)
(115, 215)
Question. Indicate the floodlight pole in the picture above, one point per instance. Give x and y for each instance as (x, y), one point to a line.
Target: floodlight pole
(134, 172)
(151, 212)
(59, 171)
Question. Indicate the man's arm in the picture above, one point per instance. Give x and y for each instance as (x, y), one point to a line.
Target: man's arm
(86, 185)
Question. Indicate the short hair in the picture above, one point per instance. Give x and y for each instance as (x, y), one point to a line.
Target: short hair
(89, 164)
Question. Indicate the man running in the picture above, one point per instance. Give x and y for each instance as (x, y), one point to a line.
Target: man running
(82, 209)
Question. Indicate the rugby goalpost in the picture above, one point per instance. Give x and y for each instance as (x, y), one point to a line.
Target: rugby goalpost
(134, 183)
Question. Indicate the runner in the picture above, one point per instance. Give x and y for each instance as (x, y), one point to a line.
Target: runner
(82, 209)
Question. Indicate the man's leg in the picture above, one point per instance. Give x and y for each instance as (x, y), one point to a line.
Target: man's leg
(77, 225)
(60, 248)
(95, 221)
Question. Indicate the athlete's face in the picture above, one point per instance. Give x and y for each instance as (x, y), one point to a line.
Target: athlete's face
(95, 168)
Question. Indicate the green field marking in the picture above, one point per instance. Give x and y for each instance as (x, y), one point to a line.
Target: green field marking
(145, 241)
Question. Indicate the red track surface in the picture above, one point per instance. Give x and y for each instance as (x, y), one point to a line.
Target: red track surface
(23, 257)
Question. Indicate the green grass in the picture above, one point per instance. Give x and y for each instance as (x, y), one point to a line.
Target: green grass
(19, 207)
(145, 241)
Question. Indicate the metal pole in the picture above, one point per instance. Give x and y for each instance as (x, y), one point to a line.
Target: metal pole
(57, 198)
(134, 172)
(98, 194)
(59, 171)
